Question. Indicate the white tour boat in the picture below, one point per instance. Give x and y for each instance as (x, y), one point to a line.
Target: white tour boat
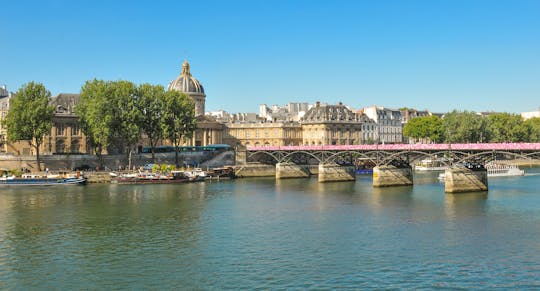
(495, 169)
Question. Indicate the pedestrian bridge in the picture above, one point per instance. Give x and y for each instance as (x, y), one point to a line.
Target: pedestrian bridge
(385, 154)
(391, 162)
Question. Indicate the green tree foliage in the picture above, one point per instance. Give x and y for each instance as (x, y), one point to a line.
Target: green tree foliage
(151, 99)
(114, 114)
(465, 127)
(533, 126)
(125, 131)
(424, 128)
(108, 115)
(95, 116)
(178, 118)
(506, 127)
(30, 116)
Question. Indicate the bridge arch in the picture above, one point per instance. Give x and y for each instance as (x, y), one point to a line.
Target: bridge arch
(490, 156)
(289, 155)
(252, 155)
(332, 156)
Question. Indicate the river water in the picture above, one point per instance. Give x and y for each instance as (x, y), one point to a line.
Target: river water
(267, 234)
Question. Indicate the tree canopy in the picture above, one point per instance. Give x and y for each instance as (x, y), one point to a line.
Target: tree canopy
(178, 118)
(114, 114)
(469, 127)
(506, 127)
(150, 104)
(30, 116)
(425, 128)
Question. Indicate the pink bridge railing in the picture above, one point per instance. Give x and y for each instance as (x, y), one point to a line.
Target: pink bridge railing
(404, 147)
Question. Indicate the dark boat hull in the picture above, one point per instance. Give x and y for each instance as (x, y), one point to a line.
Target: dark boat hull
(148, 181)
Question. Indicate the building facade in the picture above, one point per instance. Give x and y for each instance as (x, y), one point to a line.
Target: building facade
(331, 125)
(389, 123)
(263, 133)
(65, 136)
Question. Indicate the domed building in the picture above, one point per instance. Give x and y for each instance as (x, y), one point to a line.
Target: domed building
(208, 131)
(187, 84)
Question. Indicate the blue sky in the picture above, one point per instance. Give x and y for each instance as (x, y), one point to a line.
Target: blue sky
(438, 55)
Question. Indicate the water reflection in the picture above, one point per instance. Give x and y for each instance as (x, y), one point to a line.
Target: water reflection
(383, 197)
(96, 229)
(463, 205)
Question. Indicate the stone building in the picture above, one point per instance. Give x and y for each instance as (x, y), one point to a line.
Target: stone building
(331, 125)
(263, 133)
(410, 113)
(369, 130)
(388, 121)
(208, 130)
(65, 136)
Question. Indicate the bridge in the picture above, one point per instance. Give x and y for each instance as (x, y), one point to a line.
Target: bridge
(391, 162)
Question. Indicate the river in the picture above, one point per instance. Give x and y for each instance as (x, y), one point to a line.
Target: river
(267, 234)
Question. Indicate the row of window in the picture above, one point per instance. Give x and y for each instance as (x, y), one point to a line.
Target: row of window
(61, 129)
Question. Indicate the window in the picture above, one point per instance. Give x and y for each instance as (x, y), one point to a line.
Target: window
(60, 130)
(75, 131)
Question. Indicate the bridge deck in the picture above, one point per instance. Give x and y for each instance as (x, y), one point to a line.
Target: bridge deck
(406, 147)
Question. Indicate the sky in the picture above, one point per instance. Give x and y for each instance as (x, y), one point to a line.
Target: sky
(438, 55)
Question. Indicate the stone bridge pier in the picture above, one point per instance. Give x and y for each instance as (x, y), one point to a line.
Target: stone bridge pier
(332, 172)
(465, 179)
(389, 175)
(286, 170)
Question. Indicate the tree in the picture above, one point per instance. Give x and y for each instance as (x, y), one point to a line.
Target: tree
(178, 118)
(94, 114)
(506, 127)
(125, 130)
(425, 127)
(150, 105)
(108, 115)
(533, 125)
(30, 116)
(465, 127)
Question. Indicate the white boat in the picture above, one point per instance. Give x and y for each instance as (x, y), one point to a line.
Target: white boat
(431, 165)
(503, 170)
(498, 170)
(196, 174)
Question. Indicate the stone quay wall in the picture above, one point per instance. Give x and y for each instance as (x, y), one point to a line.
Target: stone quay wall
(116, 162)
